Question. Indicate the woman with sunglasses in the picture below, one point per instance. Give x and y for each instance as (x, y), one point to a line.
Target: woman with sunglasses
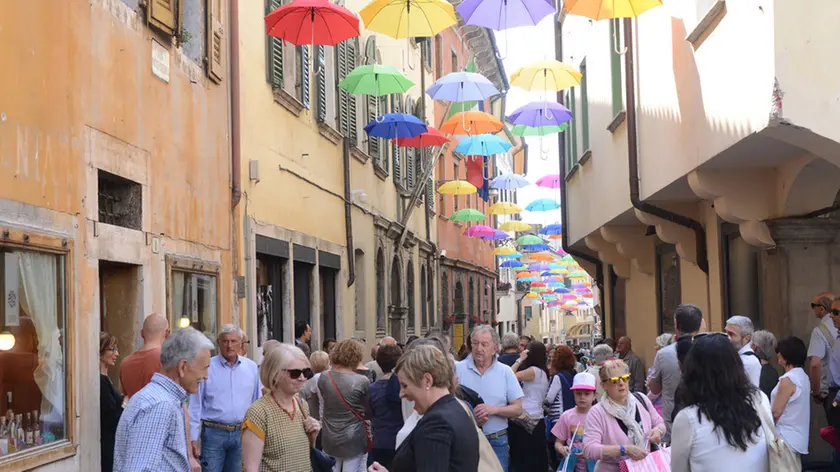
(278, 431)
(622, 425)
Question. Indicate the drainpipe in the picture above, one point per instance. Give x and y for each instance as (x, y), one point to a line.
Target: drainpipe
(236, 164)
(564, 212)
(633, 157)
(348, 210)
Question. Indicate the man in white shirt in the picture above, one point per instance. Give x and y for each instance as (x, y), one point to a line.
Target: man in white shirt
(819, 349)
(740, 330)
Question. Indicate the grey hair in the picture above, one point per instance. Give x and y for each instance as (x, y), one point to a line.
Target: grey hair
(486, 328)
(664, 339)
(510, 341)
(231, 328)
(183, 345)
(744, 323)
(765, 344)
(601, 353)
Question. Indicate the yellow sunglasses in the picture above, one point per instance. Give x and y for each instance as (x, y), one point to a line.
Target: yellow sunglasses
(625, 378)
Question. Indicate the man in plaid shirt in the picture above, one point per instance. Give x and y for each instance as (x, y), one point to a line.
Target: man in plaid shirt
(152, 436)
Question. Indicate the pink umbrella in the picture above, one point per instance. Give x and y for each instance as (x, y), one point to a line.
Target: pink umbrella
(479, 231)
(549, 181)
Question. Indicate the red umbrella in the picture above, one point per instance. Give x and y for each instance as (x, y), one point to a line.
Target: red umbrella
(430, 138)
(312, 22)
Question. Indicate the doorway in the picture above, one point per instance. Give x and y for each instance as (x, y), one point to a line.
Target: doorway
(270, 292)
(121, 308)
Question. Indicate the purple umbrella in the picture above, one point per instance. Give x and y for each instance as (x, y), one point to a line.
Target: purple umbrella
(538, 114)
(503, 14)
(538, 266)
(498, 235)
(462, 87)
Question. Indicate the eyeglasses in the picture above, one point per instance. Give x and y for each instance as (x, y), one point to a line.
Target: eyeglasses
(296, 373)
(625, 378)
(835, 312)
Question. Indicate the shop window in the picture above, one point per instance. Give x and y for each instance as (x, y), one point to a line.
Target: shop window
(668, 285)
(32, 370)
(193, 296)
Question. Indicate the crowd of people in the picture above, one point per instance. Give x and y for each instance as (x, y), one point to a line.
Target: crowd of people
(716, 401)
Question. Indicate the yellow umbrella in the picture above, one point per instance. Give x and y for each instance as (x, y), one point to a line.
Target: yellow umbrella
(504, 251)
(603, 9)
(408, 18)
(546, 75)
(532, 295)
(514, 225)
(504, 208)
(457, 187)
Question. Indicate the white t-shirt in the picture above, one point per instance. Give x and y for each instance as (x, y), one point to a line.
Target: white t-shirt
(752, 366)
(794, 424)
(408, 426)
(535, 391)
(820, 347)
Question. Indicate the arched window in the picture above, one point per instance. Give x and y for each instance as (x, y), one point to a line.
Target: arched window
(380, 292)
(471, 300)
(459, 298)
(359, 260)
(409, 287)
(444, 294)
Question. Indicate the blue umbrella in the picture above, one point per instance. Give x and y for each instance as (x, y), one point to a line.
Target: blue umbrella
(498, 235)
(552, 229)
(536, 247)
(539, 114)
(396, 125)
(508, 182)
(482, 145)
(543, 204)
(511, 264)
(510, 256)
(561, 290)
(462, 87)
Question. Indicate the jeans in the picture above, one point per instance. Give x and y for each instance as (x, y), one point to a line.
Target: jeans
(500, 447)
(221, 451)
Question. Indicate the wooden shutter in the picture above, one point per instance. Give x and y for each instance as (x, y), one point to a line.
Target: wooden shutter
(343, 109)
(163, 15)
(430, 194)
(373, 143)
(304, 75)
(321, 83)
(274, 53)
(352, 119)
(383, 144)
(410, 170)
(215, 42)
(395, 107)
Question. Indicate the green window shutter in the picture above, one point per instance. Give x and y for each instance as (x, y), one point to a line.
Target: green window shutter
(373, 143)
(615, 41)
(304, 75)
(274, 52)
(321, 83)
(584, 108)
(352, 122)
(395, 107)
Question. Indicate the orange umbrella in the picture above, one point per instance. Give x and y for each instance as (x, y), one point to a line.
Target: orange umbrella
(471, 123)
(541, 256)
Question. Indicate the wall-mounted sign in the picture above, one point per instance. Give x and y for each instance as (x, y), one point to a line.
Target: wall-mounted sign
(160, 61)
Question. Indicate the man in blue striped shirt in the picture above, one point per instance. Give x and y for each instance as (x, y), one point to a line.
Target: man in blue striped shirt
(152, 436)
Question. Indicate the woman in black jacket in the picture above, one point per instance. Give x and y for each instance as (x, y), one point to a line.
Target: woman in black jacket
(110, 400)
(445, 439)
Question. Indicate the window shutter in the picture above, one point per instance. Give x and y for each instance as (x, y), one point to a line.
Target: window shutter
(304, 75)
(274, 51)
(383, 144)
(352, 119)
(163, 15)
(373, 143)
(321, 83)
(430, 194)
(395, 107)
(343, 97)
(215, 42)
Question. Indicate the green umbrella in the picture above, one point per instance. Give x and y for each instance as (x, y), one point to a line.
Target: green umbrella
(468, 215)
(522, 130)
(377, 80)
(529, 239)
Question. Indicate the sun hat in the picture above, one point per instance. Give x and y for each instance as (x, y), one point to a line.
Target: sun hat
(584, 381)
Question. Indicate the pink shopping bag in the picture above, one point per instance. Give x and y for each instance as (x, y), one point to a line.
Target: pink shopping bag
(656, 461)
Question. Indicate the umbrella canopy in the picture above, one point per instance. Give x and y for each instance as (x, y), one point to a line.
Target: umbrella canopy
(542, 257)
(539, 114)
(408, 18)
(497, 236)
(543, 204)
(472, 123)
(510, 264)
(536, 247)
(504, 208)
(524, 274)
(515, 255)
(549, 181)
(395, 125)
(508, 181)
(603, 9)
(430, 138)
(462, 87)
(522, 130)
(467, 215)
(538, 266)
(555, 236)
(561, 290)
(529, 239)
(312, 22)
(483, 145)
(376, 80)
(537, 284)
(514, 225)
(504, 251)
(479, 230)
(578, 273)
(457, 187)
(556, 228)
(551, 75)
(503, 14)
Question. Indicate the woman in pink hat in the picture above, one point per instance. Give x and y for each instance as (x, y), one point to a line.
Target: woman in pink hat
(569, 428)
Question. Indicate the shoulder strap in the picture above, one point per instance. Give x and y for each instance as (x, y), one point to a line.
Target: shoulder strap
(824, 330)
(750, 353)
(352, 410)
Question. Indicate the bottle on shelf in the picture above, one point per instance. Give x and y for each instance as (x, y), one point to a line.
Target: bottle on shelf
(20, 436)
(36, 426)
(11, 432)
(29, 430)
(4, 436)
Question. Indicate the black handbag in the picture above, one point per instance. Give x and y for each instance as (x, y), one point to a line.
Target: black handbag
(321, 461)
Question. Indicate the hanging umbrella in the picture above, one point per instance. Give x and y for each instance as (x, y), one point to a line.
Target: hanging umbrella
(532, 295)
(472, 123)
(561, 290)
(578, 286)
(603, 9)
(560, 251)
(503, 14)
(538, 266)
(457, 187)
(394, 125)
(483, 145)
(515, 255)
(508, 181)
(529, 239)
(510, 264)
(538, 114)
(504, 208)
(543, 204)
(535, 247)
(553, 280)
(504, 251)
(524, 274)
(546, 273)
(408, 18)
(514, 225)
(430, 138)
(569, 296)
(555, 236)
(312, 22)
(497, 236)
(537, 284)
(552, 229)
(522, 130)
(542, 257)
(549, 181)
(551, 75)
(462, 87)
(578, 273)
(376, 80)
(479, 230)
(467, 215)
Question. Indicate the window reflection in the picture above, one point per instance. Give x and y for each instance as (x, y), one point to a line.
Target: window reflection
(194, 301)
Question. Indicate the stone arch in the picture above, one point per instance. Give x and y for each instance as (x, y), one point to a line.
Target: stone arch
(810, 187)
(458, 299)
(471, 300)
